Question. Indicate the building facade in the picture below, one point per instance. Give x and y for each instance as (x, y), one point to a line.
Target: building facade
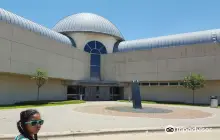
(86, 54)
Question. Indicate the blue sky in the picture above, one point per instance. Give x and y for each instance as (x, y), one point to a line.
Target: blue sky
(136, 19)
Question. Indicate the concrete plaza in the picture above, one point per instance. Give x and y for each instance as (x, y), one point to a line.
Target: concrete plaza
(65, 118)
(214, 135)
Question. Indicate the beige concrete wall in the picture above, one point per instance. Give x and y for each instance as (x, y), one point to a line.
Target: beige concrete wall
(113, 66)
(22, 52)
(163, 64)
(166, 64)
(17, 88)
(82, 38)
(177, 93)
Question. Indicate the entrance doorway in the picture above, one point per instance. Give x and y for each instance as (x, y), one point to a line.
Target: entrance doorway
(73, 92)
(116, 93)
(91, 93)
(97, 93)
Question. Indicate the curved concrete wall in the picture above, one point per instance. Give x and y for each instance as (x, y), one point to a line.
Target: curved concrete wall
(22, 52)
(163, 64)
(166, 64)
(82, 38)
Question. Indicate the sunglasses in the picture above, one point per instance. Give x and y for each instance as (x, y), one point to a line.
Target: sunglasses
(35, 122)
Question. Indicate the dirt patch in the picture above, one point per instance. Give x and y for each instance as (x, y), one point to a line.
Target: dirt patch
(147, 111)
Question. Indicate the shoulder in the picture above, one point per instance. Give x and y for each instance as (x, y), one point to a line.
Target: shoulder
(20, 137)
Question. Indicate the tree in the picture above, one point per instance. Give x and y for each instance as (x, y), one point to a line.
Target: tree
(40, 77)
(194, 82)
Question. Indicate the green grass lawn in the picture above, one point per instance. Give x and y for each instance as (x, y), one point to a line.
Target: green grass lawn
(168, 103)
(30, 104)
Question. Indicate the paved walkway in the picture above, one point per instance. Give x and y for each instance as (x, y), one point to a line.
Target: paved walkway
(213, 135)
(64, 118)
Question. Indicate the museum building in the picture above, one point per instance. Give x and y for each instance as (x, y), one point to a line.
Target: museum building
(86, 54)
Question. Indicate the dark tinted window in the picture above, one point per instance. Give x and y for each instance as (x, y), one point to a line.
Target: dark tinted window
(95, 60)
(95, 48)
(153, 84)
(145, 84)
(103, 50)
(94, 71)
(99, 45)
(174, 83)
(92, 44)
(87, 49)
(95, 51)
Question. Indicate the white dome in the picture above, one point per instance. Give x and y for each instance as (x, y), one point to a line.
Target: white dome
(87, 22)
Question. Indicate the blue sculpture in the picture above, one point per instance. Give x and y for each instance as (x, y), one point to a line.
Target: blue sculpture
(136, 95)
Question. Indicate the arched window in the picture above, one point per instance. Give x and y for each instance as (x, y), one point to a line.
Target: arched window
(95, 48)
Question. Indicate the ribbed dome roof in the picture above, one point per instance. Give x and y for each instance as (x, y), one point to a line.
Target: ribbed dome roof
(87, 22)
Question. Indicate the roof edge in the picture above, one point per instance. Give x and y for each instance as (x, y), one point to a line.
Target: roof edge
(14, 19)
(183, 39)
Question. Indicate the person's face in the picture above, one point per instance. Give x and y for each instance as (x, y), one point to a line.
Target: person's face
(34, 124)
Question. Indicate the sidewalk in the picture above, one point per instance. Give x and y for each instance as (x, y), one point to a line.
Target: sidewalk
(213, 135)
(68, 120)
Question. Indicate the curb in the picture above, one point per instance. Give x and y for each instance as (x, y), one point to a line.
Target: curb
(102, 132)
